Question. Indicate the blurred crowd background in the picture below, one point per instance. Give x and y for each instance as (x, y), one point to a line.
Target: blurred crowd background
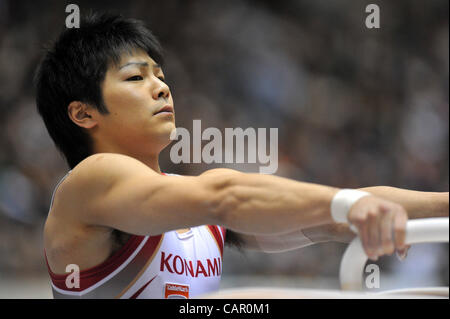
(354, 107)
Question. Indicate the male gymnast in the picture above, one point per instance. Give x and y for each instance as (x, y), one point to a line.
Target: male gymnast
(133, 231)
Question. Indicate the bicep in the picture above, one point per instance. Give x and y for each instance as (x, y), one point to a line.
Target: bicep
(122, 193)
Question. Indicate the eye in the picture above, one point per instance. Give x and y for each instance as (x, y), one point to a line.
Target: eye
(162, 79)
(135, 78)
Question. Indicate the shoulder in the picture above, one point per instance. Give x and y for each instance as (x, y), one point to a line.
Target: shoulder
(92, 177)
(108, 164)
(221, 171)
(84, 187)
(100, 171)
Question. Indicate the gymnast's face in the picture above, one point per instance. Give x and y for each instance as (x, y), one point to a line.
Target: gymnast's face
(141, 115)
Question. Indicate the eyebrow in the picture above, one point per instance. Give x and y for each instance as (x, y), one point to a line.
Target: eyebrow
(156, 65)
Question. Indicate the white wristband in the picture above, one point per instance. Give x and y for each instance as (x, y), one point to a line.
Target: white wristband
(342, 202)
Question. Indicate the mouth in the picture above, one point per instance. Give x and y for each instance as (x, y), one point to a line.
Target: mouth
(166, 109)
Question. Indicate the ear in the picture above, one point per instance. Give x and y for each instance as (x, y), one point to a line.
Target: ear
(82, 114)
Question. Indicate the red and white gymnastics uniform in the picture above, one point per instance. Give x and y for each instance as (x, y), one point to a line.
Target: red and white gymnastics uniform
(170, 265)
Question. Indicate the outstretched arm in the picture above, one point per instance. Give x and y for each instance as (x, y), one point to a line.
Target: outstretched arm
(292, 240)
(417, 204)
(119, 192)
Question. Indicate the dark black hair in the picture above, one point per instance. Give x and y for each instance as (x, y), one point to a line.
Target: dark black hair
(74, 68)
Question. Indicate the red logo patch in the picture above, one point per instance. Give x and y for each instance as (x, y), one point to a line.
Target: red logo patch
(176, 291)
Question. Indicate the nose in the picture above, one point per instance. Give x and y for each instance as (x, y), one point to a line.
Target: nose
(161, 90)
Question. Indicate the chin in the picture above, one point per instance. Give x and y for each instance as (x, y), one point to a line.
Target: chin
(164, 134)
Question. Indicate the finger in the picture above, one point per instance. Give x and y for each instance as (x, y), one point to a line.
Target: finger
(373, 234)
(386, 225)
(363, 234)
(403, 253)
(400, 220)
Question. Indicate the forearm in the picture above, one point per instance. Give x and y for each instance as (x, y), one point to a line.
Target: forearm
(296, 239)
(417, 204)
(265, 204)
(330, 232)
